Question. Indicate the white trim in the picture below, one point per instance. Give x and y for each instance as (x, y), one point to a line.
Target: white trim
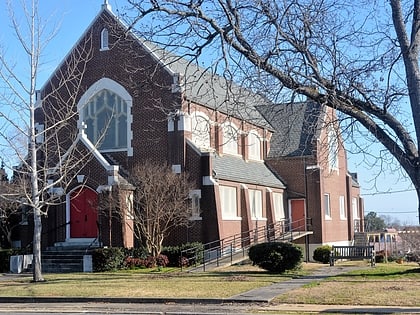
(176, 168)
(115, 87)
(228, 141)
(209, 181)
(104, 40)
(258, 142)
(84, 139)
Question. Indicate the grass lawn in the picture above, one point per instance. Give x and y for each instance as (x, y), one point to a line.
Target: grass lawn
(144, 283)
(389, 284)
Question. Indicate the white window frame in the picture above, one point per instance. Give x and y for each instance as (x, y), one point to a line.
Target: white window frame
(342, 207)
(200, 130)
(327, 206)
(278, 204)
(332, 139)
(355, 208)
(255, 204)
(111, 85)
(230, 139)
(104, 39)
(195, 196)
(229, 202)
(254, 146)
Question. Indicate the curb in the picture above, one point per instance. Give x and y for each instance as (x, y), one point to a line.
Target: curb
(25, 299)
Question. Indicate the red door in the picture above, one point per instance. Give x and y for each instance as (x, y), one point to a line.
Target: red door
(83, 213)
(298, 214)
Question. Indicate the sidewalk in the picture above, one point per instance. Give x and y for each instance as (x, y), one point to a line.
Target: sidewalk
(257, 300)
(266, 294)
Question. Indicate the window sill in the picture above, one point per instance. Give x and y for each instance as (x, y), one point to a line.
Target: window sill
(231, 218)
(195, 218)
(258, 219)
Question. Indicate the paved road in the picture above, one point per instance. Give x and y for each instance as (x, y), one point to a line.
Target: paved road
(189, 309)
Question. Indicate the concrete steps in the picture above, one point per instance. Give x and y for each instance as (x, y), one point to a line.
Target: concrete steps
(64, 259)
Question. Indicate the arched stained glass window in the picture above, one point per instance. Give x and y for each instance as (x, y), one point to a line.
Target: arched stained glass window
(105, 116)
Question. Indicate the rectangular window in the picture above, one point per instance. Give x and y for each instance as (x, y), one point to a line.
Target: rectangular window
(255, 201)
(342, 208)
(278, 206)
(355, 208)
(327, 206)
(228, 202)
(24, 218)
(332, 148)
(195, 196)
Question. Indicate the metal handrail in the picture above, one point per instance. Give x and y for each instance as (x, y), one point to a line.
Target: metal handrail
(225, 249)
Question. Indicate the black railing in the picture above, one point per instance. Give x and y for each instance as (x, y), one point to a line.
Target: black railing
(236, 246)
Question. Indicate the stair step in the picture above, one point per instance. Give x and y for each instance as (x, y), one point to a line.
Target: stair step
(64, 259)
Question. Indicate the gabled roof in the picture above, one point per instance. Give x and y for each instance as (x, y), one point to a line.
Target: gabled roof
(232, 168)
(198, 84)
(213, 91)
(296, 125)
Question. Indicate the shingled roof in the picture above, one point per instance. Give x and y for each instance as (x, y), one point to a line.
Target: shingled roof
(236, 169)
(210, 90)
(296, 125)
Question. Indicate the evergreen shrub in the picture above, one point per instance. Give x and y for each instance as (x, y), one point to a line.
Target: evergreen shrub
(322, 254)
(108, 259)
(276, 256)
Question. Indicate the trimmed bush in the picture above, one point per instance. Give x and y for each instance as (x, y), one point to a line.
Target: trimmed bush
(136, 252)
(276, 256)
(193, 255)
(322, 254)
(108, 259)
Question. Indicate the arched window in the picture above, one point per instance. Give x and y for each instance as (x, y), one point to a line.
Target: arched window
(104, 39)
(200, 126)
(105, 116)
(230, 139)
(254, 146)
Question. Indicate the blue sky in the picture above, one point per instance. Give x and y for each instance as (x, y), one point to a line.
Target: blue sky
(74, 16)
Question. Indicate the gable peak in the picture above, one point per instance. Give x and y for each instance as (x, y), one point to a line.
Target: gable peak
(106, 6)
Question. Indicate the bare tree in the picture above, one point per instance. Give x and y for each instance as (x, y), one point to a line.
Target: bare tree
(410, 237)
(161, 203)
(31, 132)
(11, 212)
(360, 58)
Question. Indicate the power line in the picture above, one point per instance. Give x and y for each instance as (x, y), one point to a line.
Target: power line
(387, 192)
(395, 212)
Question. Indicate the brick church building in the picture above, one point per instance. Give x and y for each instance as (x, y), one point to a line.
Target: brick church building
(250, 168)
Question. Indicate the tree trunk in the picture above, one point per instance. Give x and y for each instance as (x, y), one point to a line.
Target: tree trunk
(36, 262)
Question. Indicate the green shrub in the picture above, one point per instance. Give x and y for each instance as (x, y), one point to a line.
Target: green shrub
(108, 259)
(276, 256)
(136, 252)
(192, 254)
(322, 254)
(380, 258)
